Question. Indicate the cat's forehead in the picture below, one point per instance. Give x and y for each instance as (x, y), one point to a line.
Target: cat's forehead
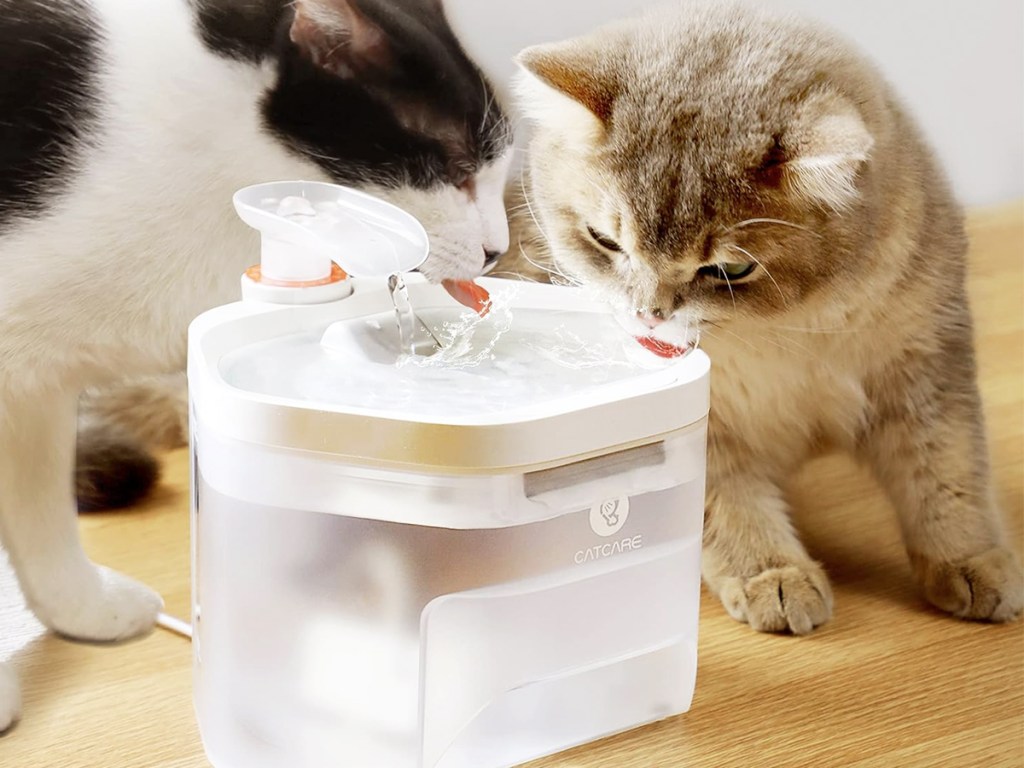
(687, 163)
(702, 80)
(681, 177)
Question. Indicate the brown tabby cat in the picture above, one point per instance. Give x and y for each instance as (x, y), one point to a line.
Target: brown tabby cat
(750, 176)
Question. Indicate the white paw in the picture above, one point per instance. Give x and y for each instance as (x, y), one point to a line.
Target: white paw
(10, 697)
(109, 607)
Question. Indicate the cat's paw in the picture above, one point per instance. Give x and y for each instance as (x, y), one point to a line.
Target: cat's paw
(10, 697)
(109, 607)
(986, 587)
(795, 598)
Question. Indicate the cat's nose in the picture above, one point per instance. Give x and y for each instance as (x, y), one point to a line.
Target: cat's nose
(651, 319)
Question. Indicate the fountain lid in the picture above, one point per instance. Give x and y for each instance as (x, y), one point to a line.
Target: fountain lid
(308, 227)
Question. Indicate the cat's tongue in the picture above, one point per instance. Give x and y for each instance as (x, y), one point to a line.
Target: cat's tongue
(661, 348)
(469, 294)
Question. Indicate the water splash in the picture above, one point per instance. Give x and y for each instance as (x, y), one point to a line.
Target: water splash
(415, 338)
(568, 349)
(488, 365)
(470, 339)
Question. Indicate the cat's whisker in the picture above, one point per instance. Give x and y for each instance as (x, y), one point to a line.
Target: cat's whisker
(556, 276)
(564, 283)
(785, 342)
(559, 278)
(602, 191)
(488, 101)
(796, 329)
(728, 284)
(790, 345)
(546, 240)
(541, 237)
(759, 263)
(552, 270)
(745, 340)
(712, 335)
(781, 222)
(762, 338)
(514, 275)
(307, 150)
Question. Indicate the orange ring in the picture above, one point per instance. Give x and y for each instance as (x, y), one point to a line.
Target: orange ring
(255, 274)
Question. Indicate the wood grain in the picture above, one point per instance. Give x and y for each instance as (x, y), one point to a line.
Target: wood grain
(888, 682)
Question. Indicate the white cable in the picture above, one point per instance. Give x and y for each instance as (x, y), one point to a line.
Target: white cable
(172, 624)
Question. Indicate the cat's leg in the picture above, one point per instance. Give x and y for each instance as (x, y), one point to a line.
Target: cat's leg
(926, 444)
(39, 527)
(151, 410)
(754, 561)
(118, 427)
(10, 697)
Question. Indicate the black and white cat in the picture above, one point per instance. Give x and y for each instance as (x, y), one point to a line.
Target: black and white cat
(125, 127)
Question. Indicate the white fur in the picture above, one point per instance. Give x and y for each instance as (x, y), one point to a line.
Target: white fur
(828, 179)
(333, 20)
(463, 225)
(576, 124)
(489, 202)
(104, 285)
(830, 153)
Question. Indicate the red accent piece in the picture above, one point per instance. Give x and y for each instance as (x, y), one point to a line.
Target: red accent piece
(661, 348)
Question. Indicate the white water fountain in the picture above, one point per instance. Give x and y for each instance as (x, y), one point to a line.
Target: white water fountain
(462, 560)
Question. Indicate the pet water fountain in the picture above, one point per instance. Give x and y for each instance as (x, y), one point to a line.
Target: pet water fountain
(468, 557)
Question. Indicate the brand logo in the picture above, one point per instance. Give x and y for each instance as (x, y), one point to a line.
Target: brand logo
(609, 548)
(608, 517)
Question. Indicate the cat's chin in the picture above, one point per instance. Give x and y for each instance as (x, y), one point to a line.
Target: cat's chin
(670, 340)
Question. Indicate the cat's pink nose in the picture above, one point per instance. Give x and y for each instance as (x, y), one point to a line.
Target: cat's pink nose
(651, 319)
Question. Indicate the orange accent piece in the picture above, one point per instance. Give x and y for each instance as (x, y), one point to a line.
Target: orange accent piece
(469, 294)
(255, 274)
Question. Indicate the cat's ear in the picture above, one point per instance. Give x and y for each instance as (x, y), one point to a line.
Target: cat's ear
(337, 36)
(562, 84)
(821, 154)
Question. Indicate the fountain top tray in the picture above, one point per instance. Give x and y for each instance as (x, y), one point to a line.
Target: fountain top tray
(545, 375)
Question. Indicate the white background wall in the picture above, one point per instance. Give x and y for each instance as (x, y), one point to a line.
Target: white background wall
(959, 64)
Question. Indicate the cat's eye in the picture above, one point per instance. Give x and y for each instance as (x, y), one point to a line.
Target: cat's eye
(604, 241)
(728, 270)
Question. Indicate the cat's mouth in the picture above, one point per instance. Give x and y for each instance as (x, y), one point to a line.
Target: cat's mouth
(671, 338)
(663, 348)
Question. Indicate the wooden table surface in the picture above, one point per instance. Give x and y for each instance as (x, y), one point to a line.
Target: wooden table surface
(887, 682)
